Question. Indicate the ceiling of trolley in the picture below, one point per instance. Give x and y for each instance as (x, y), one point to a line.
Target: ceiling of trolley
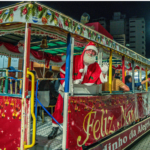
(55, 46)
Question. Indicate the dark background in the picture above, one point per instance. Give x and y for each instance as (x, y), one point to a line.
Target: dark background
(99, 9)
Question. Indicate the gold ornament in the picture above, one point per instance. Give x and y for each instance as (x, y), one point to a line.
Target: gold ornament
(12, 103)
(7, 102)
(14, 115)
(3, 115)
(44, 43)
(30, 5)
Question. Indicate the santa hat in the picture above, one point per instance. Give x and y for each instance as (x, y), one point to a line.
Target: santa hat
(92, 46)
(21, 42)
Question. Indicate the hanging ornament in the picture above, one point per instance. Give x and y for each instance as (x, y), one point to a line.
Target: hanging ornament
(66, 23)
(44, 20)
(20, 117)
(15, 8)
(30, 5)
(25, 11)
(35, 19)
(7, 11)
(55, 21)
(60, 24)
(1, 20)
(11, 18)
(56, 14)
(48, 12)
(44, 43)
(39, 8)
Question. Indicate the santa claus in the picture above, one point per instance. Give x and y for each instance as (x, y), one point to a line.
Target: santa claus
(85, 71)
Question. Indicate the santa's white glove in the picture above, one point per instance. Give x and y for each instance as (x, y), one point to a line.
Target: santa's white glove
(104, 68)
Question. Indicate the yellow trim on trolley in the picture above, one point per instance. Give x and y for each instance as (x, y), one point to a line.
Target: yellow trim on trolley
(146, 79)
(110, 72)
(32, 110)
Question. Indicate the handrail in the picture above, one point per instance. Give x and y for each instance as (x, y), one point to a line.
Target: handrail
(32, 110)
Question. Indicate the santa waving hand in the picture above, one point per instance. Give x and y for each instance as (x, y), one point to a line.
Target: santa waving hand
(85, 71)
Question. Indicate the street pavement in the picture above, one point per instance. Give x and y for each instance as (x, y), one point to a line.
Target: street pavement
(142, 144)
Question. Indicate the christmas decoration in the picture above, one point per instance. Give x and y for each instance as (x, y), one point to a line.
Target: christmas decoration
(1, 20)
(55, 21)
(44, 20)
(14, 115)
(66, 23)
(11, 17)
(39, 8)
(7, 11)
(48, 12)
(3, 115)
(35, 19)
(1, 11)
(60, 24)
(24, 11)
(6, 102)
(30, 5)
(56, 14)
(15, 8)
(12, 103)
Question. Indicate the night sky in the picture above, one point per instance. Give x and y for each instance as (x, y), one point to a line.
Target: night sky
(102, 9)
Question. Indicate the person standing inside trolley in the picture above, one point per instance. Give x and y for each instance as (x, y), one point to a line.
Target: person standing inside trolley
(128, 82)
(85, 71)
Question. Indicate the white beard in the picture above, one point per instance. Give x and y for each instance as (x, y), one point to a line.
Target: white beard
(89, 59)
(21, 49)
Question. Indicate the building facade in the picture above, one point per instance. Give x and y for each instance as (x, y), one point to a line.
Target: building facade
(137, 38)
(118, 28)
(129, 32)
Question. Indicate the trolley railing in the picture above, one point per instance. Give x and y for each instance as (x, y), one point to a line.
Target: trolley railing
(10, 86)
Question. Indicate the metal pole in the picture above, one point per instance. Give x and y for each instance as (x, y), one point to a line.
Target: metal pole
(123, 69)
(67, 76)
(110, 72)
(9, 61)
(37, 83)
(133, 88)
(146, 78)
(71, 67)
(25, 82)
(100, 58)
(141, 75)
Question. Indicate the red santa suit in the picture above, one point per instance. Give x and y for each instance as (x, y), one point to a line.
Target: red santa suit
(82, 74)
